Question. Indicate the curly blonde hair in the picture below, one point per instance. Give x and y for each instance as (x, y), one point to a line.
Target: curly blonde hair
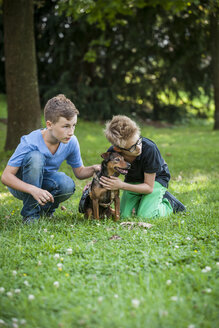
(59, 106)
(120, 129)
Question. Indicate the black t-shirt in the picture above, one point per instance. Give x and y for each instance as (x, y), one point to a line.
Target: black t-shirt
(149, 161)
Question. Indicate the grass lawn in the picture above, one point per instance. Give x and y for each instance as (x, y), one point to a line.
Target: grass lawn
(69, 272)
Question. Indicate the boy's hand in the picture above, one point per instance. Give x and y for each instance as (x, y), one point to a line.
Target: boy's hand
(87, 186)
(111, 183)
(42, 196)
(97, 167)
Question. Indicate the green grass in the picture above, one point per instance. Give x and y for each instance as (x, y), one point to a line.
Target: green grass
(146, 278)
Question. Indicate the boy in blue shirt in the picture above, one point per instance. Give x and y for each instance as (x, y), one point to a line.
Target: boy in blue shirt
(145, 187)
(32, 171)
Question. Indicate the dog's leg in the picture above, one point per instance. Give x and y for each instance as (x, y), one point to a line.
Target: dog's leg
(96, 209)
(88, 213)
(117, 207)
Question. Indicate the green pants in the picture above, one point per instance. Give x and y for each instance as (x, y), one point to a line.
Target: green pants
(145, 206)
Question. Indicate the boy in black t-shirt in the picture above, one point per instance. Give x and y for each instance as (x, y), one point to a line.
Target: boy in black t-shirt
(145, 187)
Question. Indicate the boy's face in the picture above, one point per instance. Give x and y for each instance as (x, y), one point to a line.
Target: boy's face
(132, 146)
(63, 130)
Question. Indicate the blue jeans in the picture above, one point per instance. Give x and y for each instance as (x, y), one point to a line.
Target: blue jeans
(58, 184)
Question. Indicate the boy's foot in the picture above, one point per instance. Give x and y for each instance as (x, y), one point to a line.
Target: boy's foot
(29, 220)
(47, 214)
(175, 203)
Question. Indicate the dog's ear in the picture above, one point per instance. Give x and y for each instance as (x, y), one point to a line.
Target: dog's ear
(105, 155)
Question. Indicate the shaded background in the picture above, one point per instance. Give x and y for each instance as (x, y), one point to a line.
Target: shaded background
(151, 60)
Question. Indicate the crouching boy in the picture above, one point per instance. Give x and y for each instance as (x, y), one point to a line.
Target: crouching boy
(32, 171)
(145, 187)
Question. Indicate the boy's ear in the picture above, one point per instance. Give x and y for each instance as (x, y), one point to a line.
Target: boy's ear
(48, 124)
(117, 149)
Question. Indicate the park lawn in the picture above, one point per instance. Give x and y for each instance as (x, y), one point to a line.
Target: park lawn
(165, 276)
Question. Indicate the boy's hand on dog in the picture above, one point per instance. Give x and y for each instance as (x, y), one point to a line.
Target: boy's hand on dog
(97, 167)
(87, 186)
(42, 196)
(111, 183)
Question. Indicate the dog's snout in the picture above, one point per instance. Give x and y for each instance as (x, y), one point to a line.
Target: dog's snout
(128, 165)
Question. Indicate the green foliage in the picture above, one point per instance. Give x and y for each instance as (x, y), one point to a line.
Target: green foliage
(104, 12)
(162, 277)
(143, 53)
(125, 56)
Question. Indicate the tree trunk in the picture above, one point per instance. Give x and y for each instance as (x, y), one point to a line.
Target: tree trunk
(24, 112)
(214, 19)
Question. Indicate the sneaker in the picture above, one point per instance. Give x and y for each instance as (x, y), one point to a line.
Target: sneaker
(175, 203)
(83, 201)
(29, 220)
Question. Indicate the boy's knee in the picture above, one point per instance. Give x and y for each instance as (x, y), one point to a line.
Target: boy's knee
(35, 159)
(66, 184)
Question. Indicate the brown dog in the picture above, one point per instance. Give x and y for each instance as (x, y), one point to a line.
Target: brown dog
(96, 200)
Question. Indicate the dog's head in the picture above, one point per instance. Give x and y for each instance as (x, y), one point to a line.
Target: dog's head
(114, 164)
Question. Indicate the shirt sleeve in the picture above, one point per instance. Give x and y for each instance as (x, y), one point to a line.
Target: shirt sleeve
(110, 149)
(151, 160)
(74, 158)
(20, 152)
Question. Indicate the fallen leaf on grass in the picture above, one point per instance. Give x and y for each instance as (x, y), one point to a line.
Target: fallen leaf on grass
(139, 224)
(115, 237)
(179, 178)
(145, 225)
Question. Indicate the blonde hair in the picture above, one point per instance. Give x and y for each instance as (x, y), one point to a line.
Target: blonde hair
(59, 106)
(119, 129)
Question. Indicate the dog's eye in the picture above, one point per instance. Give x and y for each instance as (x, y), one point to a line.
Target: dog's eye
(117, 159)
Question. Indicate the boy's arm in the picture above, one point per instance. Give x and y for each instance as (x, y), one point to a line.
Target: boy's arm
(114, 183)
(9, 179)
(84, 172)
